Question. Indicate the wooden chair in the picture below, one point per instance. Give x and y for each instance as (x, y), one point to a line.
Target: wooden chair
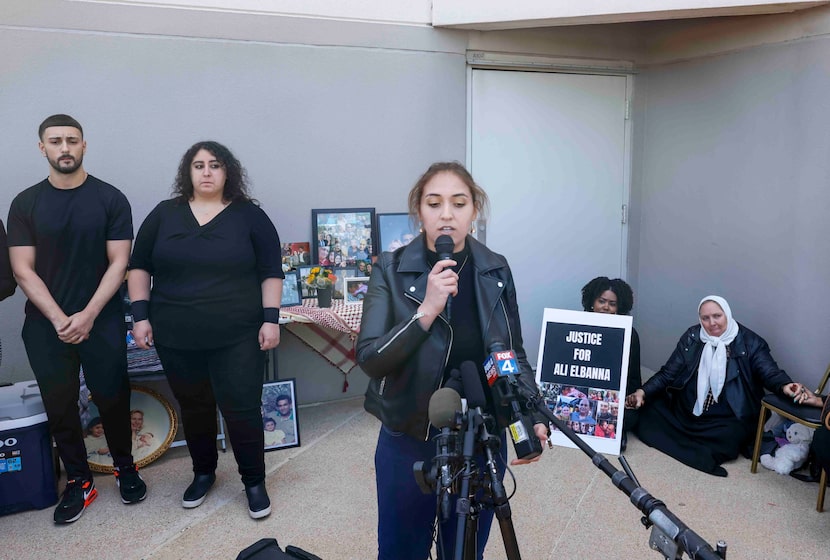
(807, 415)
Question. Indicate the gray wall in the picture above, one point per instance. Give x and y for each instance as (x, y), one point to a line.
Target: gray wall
(316, 127)
(729, 174)
(733, 188)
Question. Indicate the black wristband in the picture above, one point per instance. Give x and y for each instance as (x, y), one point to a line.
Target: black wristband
(140, 310)
(271, 315)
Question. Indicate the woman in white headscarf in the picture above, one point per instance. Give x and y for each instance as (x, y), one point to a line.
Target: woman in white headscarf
(702, 406)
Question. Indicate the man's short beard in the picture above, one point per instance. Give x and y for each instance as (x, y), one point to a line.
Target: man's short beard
(67, 170)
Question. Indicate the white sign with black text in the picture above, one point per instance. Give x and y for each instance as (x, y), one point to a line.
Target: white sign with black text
(583, 361)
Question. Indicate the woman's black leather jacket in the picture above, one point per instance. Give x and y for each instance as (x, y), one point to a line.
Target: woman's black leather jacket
(744, 385)
(405, 362)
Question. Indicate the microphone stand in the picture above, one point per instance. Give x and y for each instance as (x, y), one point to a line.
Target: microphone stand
(670, 536)
(466, 527)
(466, 531)
(501, 505)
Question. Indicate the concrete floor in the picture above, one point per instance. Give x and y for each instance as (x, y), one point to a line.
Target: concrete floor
(323, 500)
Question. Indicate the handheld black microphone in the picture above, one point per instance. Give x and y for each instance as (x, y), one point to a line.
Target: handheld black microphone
(445, 413)
(499, 368)
(444, 246)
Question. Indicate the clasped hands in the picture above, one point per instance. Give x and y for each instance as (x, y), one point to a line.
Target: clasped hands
(75, 328)
(801, 394)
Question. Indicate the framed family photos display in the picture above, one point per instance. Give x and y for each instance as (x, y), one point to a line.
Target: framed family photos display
(291, 289)
(343, 236)
(152, 419)
(356, 289)
(279, 415)
(395, 230)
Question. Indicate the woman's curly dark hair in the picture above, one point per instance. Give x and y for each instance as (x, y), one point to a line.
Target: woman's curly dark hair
(236, 181)
(593, 289)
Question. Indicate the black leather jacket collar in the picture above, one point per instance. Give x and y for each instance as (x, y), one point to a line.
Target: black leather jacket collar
(405, 362)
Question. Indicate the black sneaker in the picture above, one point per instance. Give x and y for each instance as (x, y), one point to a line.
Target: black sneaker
(198, 489)
(130, 483)
(77, 495)
(259, 505)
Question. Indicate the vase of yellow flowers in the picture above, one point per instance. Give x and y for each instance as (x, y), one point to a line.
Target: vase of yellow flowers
(322, 279)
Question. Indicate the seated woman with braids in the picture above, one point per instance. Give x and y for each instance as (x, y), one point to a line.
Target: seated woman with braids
(702, 406)
(615, 297)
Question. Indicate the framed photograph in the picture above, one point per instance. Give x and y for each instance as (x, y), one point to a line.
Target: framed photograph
(291, 289)
(395, 230)
(343, 235)
(279, 415)
(343, 273)
(153, 421)
(306, 290)
(296, 254)
(356, 289)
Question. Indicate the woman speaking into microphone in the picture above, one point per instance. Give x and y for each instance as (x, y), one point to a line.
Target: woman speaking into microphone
(409, 343)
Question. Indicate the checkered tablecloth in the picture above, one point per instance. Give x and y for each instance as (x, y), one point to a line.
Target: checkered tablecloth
(143, 361)
(343, 317)
(329, 331)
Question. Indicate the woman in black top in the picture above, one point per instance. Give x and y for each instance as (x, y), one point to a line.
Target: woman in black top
(615, 297)
(215, 263)
(410, 340)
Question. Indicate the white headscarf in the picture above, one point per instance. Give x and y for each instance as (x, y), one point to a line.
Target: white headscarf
(712, 370)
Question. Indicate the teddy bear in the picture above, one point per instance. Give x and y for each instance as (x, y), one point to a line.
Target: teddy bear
(792, 455)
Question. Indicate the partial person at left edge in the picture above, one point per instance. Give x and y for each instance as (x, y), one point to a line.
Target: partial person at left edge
(7, 282)
(69, 243)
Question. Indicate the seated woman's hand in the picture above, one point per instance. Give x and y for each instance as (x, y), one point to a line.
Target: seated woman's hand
(635, 399)
(801, 394)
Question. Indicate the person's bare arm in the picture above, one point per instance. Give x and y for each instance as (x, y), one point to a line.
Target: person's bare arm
(269, 333)
(138, 285)
(23, 266)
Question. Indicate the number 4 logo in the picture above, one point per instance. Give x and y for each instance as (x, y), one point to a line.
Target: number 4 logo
(508, 367)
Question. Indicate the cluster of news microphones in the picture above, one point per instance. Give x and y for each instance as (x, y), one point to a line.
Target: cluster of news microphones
(465, 430)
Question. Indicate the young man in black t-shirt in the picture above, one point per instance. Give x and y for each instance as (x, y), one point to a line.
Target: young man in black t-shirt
(69, 244)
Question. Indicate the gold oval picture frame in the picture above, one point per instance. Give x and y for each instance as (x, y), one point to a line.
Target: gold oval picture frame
(152, 419)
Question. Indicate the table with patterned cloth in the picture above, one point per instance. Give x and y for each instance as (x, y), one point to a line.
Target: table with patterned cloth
(329, 331)
(141, 362)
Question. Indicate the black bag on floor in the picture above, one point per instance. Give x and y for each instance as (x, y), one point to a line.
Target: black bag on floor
(269, 549)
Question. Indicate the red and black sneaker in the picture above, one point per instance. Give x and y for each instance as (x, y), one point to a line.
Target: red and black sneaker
(130, 484)
(77, 496)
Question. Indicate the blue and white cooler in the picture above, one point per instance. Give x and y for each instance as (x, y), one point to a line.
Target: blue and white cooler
(27, 473)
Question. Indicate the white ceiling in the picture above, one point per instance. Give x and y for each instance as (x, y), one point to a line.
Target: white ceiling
(206, 18)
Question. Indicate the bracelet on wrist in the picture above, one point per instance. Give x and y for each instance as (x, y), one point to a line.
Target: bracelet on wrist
(271, 315)
(140, 310)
